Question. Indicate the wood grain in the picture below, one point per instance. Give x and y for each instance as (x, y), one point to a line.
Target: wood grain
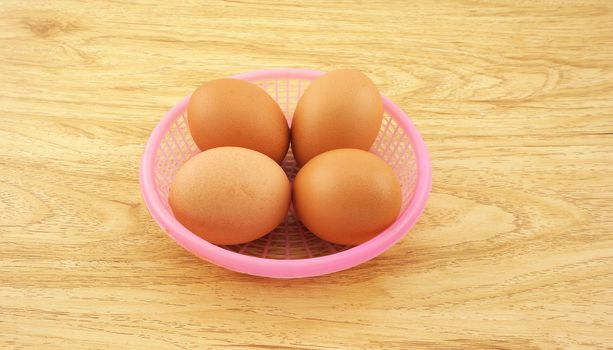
(513, 98)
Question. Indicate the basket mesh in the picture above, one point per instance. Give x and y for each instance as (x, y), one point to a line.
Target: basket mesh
(290, 240)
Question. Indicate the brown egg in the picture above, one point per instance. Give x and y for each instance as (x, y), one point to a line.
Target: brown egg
(346, 196)
(341, 109)
(230, 195)
(232, 112)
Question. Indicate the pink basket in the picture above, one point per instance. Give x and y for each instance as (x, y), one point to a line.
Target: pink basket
(290, 251)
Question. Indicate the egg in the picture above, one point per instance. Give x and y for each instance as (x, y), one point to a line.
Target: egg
(232, 112)
(230, 195)
(346, 196)
(341, 109)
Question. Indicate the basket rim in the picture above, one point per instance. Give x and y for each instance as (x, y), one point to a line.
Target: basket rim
(286, 268)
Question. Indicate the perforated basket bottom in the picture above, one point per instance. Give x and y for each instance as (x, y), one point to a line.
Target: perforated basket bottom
(291, 239)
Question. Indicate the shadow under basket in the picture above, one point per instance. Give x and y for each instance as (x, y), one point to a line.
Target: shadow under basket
(289, 251)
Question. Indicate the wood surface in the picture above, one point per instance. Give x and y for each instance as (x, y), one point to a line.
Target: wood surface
(514, 100)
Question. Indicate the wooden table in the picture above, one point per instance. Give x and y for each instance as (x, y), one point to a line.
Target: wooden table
(515, 248)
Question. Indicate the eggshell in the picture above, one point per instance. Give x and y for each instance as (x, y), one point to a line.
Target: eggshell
(230, 195)
(346, 196)
(341, 109)
(232, 112)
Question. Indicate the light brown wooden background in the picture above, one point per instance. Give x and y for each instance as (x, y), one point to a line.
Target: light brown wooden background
(514, 100)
